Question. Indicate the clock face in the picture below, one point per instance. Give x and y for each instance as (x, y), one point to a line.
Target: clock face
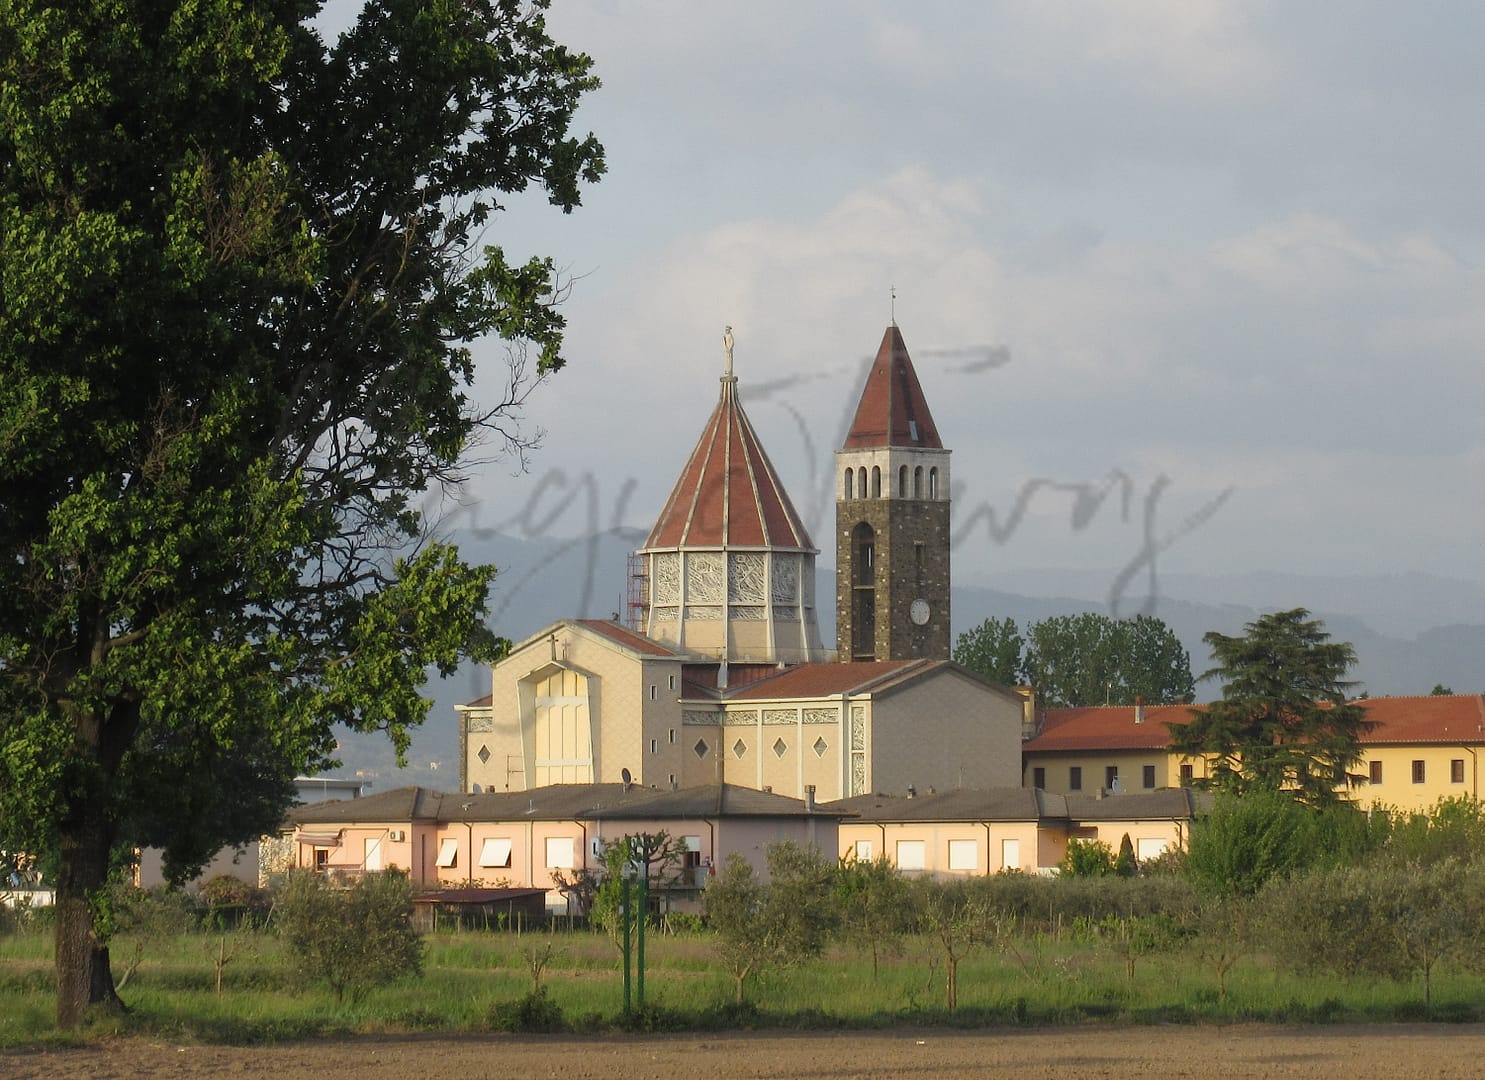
(918, 612)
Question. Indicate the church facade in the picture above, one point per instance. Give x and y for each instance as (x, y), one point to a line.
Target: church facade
(719, 676)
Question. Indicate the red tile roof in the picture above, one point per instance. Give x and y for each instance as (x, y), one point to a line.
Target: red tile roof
(1106, 727)
(826, 680)
(1455, 718)
(632, 639)
(728, 494)
(893, 410)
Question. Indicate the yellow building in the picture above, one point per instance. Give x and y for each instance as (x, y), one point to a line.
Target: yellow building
(1418, 750)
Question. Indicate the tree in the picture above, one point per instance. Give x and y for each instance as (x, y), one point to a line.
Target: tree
(1087, 858)
(1283, 722)
(783, 921)
(1091, 659)
(875, 905)
(992, 649)
(353, 938)
(958, 921)
(241, 274)
(1440, 690)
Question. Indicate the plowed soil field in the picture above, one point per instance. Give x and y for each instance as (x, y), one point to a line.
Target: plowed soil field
(1407, 1050)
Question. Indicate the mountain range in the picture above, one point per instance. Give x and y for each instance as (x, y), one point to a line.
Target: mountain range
(1410, 631)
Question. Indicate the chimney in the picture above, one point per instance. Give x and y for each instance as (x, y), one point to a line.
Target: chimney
(1029, 727)
(809, 797)
(1139, 710)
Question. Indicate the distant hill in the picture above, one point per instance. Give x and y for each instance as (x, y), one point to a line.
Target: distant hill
(541, 581)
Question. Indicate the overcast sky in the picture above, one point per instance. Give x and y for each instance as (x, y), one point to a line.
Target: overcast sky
(1220, 261)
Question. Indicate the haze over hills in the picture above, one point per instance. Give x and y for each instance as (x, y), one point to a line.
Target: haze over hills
(1410, 631)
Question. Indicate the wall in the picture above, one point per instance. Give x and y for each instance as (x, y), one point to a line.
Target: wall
(946, 730)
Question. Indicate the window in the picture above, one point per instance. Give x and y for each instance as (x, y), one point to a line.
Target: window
(559, 853)
(1456, 771)
(1010, 854)
(964, 855)
(780, 748)
(322, 860)
(1111, 777)
(933, 482)
(1039, 778)
(863, 851)
(1147, 847)
(739, 748)
(1075, 778)
(909, 854)
(861, 481)
(850, 483)
(1147, 776)
(448, 852)
(691, 845)
(672, 682)
(902, 482)
(654, 746)
(653, 691)
(1186, 776)
(918, 482)
(1417, 771)
(372, 860)
(495, 852)
(672, 736)
(1374, 769)
(876, 482)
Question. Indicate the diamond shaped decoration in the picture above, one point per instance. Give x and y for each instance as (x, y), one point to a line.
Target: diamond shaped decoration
(700, 748)
(820, 747)
(739, 748)
(780, 748)
(484, 755)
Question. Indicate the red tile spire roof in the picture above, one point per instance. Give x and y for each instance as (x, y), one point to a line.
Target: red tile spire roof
(729, 495)
(893, 410)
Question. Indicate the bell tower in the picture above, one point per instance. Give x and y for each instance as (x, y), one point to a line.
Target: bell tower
(892, 520)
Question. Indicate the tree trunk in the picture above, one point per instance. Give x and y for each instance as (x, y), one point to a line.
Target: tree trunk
(84, 977)
(951, 983)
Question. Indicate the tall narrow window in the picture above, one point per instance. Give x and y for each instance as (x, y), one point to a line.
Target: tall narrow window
(850, 483)
(876, 482)
(1456, 771)
(902, 482)
(1111, 777)
(863, 593)
(1147, 778)
(1417, 771)
(861, 481)
(1039, 778)
(933, 482)
(1075, 778)
(1375, 771)
(1186, 775)
(918, 482)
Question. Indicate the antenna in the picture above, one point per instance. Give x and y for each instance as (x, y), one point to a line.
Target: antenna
(892, 289)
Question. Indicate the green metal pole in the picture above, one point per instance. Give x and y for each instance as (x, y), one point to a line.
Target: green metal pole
(624, 917)
(644, 917)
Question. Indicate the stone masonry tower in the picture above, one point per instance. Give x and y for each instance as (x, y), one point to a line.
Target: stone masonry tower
(892, 520)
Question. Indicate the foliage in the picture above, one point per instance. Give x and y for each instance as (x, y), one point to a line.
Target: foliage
(353, 938)
(1087, 858)
(1091, 659)
(1124, 863)
(599, 892)
(1283, 722)
(1440, 690)
(532, 1013)
(992, 649)
(875, 905)
(958, 920)
(778, 923)
(242, 272)
(1450, 829)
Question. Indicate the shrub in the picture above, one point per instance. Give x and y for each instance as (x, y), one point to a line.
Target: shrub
(1087, 858)
(353, 938)
(533, 1012)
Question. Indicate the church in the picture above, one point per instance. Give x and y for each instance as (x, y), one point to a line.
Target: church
(718, 675)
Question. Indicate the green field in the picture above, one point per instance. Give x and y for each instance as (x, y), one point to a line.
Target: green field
(474, 978)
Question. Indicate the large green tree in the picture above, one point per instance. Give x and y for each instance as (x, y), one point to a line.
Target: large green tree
(1092, 659)
(240, 269)
(992, 649)
(1284, 722)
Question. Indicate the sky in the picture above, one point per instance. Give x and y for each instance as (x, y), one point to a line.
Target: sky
(1186, 283)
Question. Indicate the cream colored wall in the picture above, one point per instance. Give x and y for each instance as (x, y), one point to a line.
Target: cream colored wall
(1172, 834)
(946, 731)
(935, 837)
(1397, 788)
(623, 714)
(760, 765)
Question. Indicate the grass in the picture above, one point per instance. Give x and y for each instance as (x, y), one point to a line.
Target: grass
(480, 982)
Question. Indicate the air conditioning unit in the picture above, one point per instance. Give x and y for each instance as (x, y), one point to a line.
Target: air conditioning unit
(396, 835)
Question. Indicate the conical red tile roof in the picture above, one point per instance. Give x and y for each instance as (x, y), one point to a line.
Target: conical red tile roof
(729, 494)
(892, 411)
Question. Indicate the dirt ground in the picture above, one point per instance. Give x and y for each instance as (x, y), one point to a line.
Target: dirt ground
(1405, 1050)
